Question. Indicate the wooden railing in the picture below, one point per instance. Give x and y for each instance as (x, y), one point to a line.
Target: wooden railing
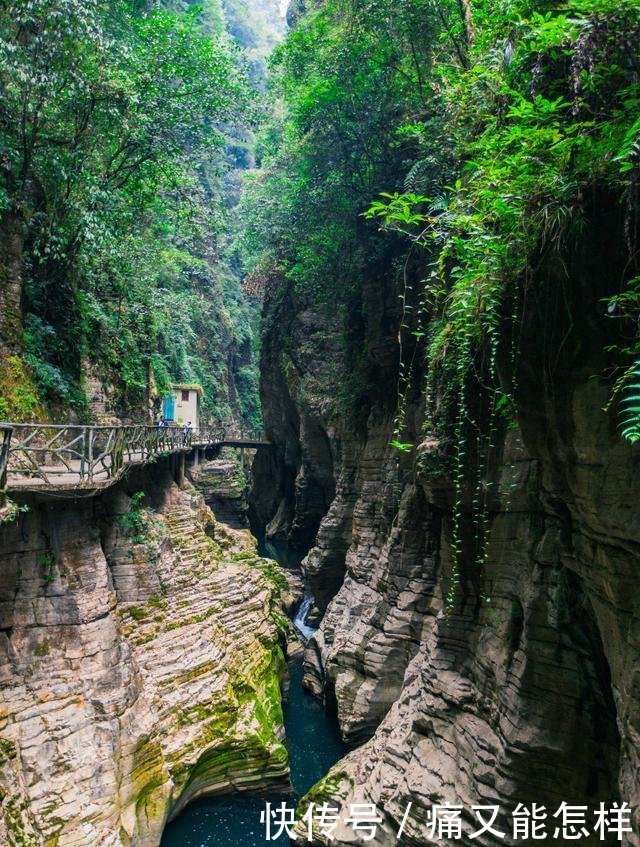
(74, 456)
(5, 441)
(228, 433)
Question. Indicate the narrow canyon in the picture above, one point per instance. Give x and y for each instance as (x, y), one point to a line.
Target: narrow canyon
(319, 423)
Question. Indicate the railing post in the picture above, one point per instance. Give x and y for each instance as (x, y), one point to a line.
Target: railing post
(90, 453)
(117, 452)
(83, 453)
(4, 456)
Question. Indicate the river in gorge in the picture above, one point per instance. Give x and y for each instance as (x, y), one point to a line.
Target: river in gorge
(314, 745)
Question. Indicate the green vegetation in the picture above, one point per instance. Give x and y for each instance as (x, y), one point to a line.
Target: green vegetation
(335, 784)
(135, 522)
(630, 415)
(46, 562)
(334, 146)
(342, 82)
(42, 649)
(542, 111)
(428, 156)
(115, 129)
(9, 510)
(539, 127)
(450, 149)
(20, 399)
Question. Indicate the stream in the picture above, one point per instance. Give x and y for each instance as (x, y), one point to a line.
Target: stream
(314, 745)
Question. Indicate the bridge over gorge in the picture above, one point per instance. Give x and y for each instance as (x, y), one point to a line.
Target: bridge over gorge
(63, 458)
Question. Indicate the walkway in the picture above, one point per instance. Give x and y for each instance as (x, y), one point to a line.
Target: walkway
(68, 457)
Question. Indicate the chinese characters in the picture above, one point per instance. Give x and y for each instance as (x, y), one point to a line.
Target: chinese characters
(449, 822)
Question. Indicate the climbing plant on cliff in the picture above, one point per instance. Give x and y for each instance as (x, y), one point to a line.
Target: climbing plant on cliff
(542, 109)
(489, 128)
(348, 85)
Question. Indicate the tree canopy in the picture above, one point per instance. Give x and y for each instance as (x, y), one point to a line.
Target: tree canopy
(113, 128)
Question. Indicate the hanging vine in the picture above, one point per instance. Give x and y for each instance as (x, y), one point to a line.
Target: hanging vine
(522, 179)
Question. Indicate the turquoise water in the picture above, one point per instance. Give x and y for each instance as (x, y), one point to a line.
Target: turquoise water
(314, 746)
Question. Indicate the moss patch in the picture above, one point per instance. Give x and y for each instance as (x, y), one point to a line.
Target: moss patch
(19, 397)
(327, 790)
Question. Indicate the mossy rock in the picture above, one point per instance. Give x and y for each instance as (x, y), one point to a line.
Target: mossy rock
(19, 396)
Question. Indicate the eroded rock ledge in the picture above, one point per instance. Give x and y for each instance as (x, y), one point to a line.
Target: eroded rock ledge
(523, 697)
(140, 666)
(525, 687)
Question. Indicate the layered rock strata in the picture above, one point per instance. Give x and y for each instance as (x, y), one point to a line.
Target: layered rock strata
(223, 484)
(140, 666)
(522, 696)
(511, 677)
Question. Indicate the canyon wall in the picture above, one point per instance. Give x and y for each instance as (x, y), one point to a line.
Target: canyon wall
(515, 679)
(140, 665)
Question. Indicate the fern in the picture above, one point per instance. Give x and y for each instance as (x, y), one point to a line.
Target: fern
(421, 175)
(439, 204)
(630, 406)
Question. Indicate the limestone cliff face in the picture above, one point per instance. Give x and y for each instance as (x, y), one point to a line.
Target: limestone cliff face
(295, 481)
(223, 484)
(525, 687)
(140, 666)
(525, 698)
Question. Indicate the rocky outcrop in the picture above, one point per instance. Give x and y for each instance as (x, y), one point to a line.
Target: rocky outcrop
(140, 666)
(374, 625)
(223, 484)
(522, 697)
(294, 481)
(510, 678)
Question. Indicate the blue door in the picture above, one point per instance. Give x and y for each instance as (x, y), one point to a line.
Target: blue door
(169, 407)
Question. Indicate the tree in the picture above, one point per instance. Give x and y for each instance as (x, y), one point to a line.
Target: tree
(107, 113)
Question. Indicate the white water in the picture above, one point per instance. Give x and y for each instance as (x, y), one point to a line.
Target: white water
(300, 620)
